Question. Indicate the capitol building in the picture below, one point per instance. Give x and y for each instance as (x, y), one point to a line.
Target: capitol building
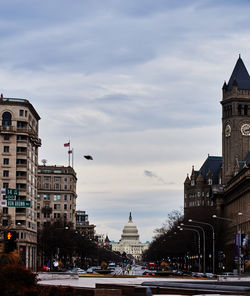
(129, 242)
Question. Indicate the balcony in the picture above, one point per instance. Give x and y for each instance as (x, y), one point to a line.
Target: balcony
(7, 129)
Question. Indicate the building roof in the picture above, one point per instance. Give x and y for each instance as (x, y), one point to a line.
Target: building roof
(213, 165)
(240, 76)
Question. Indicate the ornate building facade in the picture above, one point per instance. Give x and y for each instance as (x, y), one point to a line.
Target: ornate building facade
(19, 144)
(225, 180)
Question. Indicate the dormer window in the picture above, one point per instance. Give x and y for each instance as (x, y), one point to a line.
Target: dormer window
(192, 183)
(210, 181)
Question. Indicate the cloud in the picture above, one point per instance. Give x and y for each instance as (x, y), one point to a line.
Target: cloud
(153, 175)
(136, 86)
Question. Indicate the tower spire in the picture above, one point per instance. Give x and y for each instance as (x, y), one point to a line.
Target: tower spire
(130, 217)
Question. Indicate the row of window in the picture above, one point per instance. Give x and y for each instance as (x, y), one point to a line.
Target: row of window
(242, 110)
(54, 196)
(198, 203)
(209, 182)
(198, 194)
(7, 118)
(56, 179)
(56, 206)
(56, 186)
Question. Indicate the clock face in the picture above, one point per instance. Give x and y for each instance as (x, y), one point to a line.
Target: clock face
(245, 129)
(228, 130)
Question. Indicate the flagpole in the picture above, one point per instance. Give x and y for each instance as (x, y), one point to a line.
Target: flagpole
(72, 158)
(69, 153)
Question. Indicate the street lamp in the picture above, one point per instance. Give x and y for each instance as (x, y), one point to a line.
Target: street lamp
(204, 243)
(210, 225)
(199, 243)
(238, 235)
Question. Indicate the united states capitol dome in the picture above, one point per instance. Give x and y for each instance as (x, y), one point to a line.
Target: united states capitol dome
(130, 232)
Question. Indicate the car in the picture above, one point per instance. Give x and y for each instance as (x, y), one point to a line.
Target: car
(149, 272)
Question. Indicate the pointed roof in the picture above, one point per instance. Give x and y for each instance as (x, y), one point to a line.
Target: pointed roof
(239, 77)
(212, 165)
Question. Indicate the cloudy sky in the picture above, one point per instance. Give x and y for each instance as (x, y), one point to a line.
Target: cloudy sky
(135, 83)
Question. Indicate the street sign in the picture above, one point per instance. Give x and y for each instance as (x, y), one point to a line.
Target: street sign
(10, 191)
(13, 197)
(18, 203)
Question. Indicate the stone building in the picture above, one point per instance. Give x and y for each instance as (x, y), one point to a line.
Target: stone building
(83, 226)
(129, 242)
(227, 181)
(19, 144)
(56, 198)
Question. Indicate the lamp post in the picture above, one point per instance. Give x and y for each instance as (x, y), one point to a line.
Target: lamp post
(204, 243)
(199, 243)
(210, 225)
(238, 235)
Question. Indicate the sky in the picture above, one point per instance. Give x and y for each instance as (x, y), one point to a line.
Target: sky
(136, 84)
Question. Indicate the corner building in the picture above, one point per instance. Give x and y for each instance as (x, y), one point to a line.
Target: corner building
(19, 144)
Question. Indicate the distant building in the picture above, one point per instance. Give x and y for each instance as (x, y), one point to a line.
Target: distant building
(56, 198)
(83, 226)
(129, 242)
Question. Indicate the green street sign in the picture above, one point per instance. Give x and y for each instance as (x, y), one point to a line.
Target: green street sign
(10, 191)
(18, 203)
(12, 197)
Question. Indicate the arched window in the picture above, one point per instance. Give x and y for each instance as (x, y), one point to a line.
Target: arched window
(6, 118)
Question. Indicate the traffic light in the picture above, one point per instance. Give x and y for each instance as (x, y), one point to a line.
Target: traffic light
(10, 241)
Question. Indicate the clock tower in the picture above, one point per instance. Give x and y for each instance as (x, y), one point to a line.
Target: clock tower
(235, 120)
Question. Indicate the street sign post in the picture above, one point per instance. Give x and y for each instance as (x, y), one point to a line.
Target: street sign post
(18, 203)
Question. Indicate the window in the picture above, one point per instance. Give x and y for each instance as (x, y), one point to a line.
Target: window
(46, 215)
(46, 197)
(65, 216)
(65, 206)
(245, 109)
(38, 215)
(38, 206)
(47, 179)
(57, 197)
(6, 119)
(56, 186)
(6, 148)
(6, 137)
(5, 210)
(5, 185)
(38, 197)
(210, 181)
(207, 194)
(46, 186)
(192, 183)
(57, 179)
(65, 187)
(65, 179)
(6, 161)
(5, 222)
(65, 197)
(25, 113)
(20, 112)
(57, 207)
(6, 173)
